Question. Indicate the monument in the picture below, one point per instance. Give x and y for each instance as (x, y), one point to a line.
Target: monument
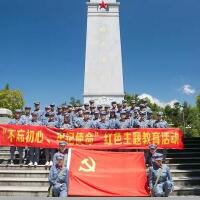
(103, 63)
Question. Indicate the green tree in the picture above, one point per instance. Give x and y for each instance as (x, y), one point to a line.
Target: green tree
(11, 99)
(168, 111)
(7, 87)
(198, 102)
(130, 97)
(74, 101)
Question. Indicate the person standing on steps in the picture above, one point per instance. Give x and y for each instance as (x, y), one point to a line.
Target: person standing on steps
(17, 120)
(34, 151)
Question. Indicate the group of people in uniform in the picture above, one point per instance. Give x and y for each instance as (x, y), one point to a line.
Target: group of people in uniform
(114, 116)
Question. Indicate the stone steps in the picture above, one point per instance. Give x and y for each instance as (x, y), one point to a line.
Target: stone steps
(186, 191)
(188, 149)
(23, 191)
(186, 181)
(185, 173)
(24, 173)
(191, 145)
(32, 182)
(189, 141)
(183, 154)
(183, 160)
(184, 166)
(24, 167)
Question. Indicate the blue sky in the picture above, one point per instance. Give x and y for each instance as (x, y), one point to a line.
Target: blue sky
(42, 48)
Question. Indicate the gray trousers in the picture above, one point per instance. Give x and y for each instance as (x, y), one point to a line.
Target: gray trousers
(49, 154)
(12, 153)
(163, 189)
(60, 191)
(34, 154)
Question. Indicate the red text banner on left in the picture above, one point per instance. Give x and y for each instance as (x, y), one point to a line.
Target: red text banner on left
(45, 137)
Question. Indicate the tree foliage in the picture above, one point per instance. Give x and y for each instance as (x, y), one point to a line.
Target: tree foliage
(74, 101)
(11, 99)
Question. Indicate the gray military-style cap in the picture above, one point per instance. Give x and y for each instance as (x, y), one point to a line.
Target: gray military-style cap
(152, 146)
(62, 143)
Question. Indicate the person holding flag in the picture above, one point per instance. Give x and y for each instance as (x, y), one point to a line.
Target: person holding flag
(58, 178)
(160, 179)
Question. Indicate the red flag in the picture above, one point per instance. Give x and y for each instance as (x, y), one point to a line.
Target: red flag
(99, 173)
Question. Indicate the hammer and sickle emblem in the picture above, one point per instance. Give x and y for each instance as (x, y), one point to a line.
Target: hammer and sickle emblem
(89, 166)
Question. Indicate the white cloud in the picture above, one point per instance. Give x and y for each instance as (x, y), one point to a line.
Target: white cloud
(157, 101)
(188, 90)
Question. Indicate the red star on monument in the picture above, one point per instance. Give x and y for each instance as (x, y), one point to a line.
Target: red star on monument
(103, 5)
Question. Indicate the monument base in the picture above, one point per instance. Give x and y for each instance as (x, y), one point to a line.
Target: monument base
(103, 99)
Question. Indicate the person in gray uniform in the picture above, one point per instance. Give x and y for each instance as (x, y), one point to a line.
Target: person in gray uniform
(85, 122)
(45, 117)
(58, 116)
(64, 109)
(124, 104)
(100, 108)
(123, 123)
(142, 122)
(107, 110)
(103, 123)
(150, 119)
(135, 118)
(92, 111)
(86, 106)
(95, 119)
(50, 152)
(38, 110)
(146, 108)
(66, 124)
(132, 108)
(53, 105)
(160, 180)
(92, 103)
(27, 115)
(71, 113)
(151, 154)
(119, 109)
(79, 118)
(17, 121)
(34, 151)
(113, 120)
(114, 106)
(63, 151)
(160, 122)
(58, 178)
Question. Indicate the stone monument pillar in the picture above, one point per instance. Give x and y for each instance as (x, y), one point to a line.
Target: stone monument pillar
(103, 63)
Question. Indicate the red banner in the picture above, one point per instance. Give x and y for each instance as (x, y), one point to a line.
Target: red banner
(44, 137)
(97, 173)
